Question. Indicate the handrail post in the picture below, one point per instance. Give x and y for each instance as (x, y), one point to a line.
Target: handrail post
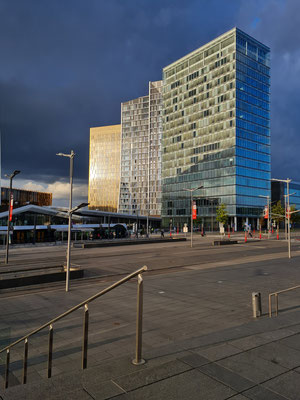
(7, 369)
(25, 361)
(50, 350)
(276, 298)
(85, 336)
(139, 324)
(270, 305)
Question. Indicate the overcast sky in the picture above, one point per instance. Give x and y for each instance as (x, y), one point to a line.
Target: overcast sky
(66, 65)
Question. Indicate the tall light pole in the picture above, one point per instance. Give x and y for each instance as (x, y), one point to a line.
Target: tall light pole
(269, 211)
(285, 218)
(10, 208)
(287, 181)
(69, 243)
(192, 192)
(71, 157)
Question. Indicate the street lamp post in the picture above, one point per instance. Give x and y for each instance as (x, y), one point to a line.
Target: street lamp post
(269, 212)
(10, 206)
(71, 157)
(287, 181)
(69, 243)
(285, 218)
(192, 192)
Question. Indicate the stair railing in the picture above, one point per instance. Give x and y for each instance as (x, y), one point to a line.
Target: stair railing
(138, 360)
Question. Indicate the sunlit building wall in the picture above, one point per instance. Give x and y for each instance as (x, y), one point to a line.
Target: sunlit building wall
(216, 131)
(104, 168)
(24, 197)
(140, 188)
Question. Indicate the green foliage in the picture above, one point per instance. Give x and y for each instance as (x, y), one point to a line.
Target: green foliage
(277, 212)
(222, 214)
(295, 217)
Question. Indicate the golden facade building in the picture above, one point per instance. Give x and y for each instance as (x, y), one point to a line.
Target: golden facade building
(104, 168)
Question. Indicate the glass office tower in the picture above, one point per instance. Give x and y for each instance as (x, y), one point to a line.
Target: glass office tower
(140, 188)
(104, 168)
(216, 131)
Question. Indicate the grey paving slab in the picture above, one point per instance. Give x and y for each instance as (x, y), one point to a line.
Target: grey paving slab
(261, 393)
(217, 352)
(229, 378)
(292, 342)
(249, 342)
(80, 394)
(277, 334)
(239, 397)
(194, 360)
(279, 354)
(287, 385)
(42, 390)
(102, 390)
(192, 385)
(151, 375)
(251, 367)
(111, 370)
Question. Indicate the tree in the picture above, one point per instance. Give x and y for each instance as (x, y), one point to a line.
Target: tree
(277, 212)
(295, 217)
(222, 214)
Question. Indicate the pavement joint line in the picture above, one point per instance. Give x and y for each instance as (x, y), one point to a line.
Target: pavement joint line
(120, 387)
(159, 380)
(88, 393)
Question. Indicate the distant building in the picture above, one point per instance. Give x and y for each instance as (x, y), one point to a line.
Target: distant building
(23, 197)
(216, 131)
(279, 193)
(104, 168)
(140, 188)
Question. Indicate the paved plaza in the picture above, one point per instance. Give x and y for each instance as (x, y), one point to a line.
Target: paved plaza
(200, 340)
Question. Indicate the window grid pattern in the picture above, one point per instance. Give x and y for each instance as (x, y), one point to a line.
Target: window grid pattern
(140, 186)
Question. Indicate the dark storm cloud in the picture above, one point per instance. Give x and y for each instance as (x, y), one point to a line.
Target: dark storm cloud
(278, 26)
(67, 65)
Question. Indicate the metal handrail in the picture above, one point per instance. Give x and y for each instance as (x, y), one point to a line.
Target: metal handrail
(275, 294)
(138, 355)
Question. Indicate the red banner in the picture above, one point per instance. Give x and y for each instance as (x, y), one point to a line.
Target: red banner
(266, 212)
(11, 205)
(194, 215)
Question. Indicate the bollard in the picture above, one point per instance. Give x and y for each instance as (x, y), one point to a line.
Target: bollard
(256, 304)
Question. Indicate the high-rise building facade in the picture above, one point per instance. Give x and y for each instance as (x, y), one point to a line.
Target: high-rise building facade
(140, 187)
(104, 168)
(216, 131)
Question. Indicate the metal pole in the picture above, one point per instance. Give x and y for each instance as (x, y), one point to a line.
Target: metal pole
(289, 229)
(70, 221)
(191, 218)
(212, 217)
(8, 220)
(139, 324)
(285, 219)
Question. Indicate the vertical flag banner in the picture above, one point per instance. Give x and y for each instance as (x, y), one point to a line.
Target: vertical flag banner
(11, 205)
(194, 210)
